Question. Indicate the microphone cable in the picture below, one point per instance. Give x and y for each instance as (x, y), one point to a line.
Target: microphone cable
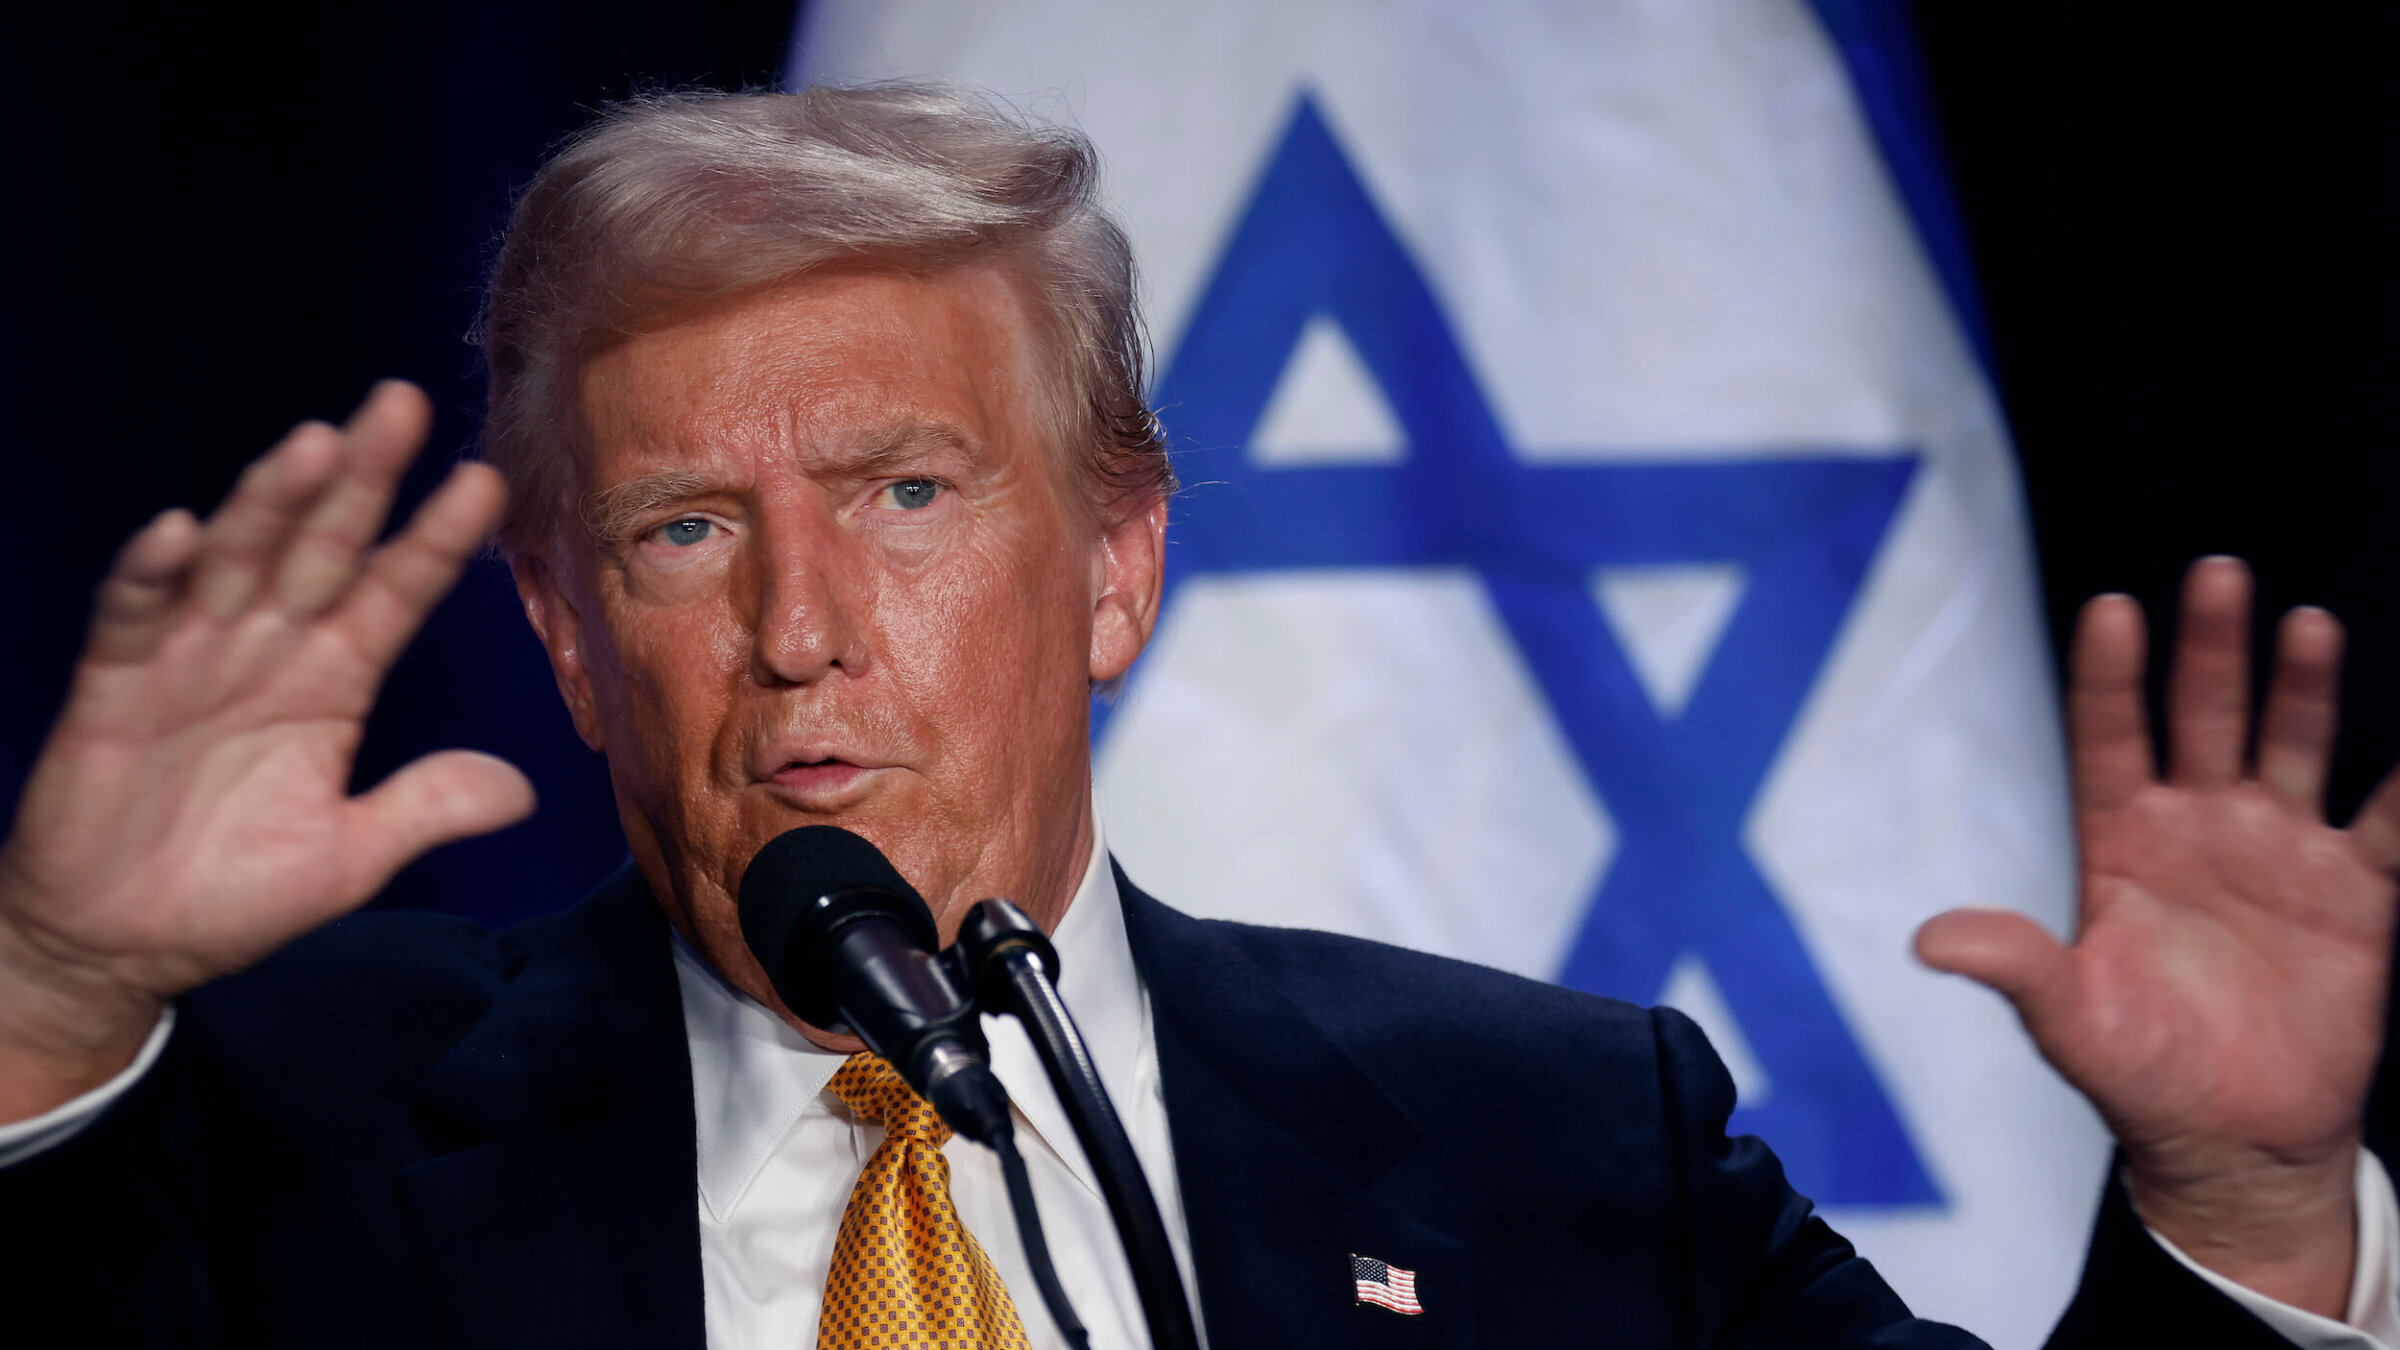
(1037, 1247)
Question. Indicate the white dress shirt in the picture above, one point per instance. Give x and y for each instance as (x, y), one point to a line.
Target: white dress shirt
(778, 1156)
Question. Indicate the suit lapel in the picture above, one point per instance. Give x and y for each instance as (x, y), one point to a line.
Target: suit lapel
(1280, 1140)
(559, 1206)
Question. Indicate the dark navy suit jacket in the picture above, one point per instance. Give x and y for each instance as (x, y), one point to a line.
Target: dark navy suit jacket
(408, 1130)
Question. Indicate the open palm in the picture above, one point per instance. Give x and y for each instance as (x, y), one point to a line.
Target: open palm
(2222, 1002)
(191, 812)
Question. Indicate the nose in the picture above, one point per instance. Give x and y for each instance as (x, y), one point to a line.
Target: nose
(811, 591)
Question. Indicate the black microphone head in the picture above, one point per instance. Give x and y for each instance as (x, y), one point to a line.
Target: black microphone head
(805, 886)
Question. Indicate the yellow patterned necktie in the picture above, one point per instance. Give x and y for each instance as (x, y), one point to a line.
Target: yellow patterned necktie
(906, 1272)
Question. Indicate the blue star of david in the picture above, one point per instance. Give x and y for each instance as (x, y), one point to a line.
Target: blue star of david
(1803, 529)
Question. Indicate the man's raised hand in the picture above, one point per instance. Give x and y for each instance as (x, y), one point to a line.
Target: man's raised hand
(190, 812)
(2223, 1001)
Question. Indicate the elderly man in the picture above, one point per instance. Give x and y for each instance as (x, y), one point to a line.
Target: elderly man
(831, 494)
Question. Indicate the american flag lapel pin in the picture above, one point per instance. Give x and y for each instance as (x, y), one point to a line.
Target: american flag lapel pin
(1385, 1285)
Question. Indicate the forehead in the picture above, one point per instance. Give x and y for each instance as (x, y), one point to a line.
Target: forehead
(815, 364)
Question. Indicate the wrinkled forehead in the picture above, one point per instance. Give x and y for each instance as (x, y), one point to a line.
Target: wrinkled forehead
(831, 361)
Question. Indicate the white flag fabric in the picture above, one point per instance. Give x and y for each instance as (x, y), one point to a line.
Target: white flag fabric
(1601, 556)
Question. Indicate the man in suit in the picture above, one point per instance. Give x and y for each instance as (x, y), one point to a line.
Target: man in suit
(830, 493)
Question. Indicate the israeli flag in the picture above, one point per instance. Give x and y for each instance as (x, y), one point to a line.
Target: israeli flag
(1602, 556)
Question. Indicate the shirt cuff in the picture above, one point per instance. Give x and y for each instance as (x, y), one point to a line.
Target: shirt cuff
(2372, 1321)
(26, 1138)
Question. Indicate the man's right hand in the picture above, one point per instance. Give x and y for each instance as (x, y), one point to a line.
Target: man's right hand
(191, 812)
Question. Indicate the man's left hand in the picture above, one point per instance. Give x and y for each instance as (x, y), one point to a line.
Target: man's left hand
(2223, 1001)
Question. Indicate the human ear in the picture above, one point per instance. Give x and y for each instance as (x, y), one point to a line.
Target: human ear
(559, 625)
(1128, 574)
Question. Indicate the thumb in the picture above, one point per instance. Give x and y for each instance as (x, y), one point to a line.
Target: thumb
(2000, 949)
(454, 794)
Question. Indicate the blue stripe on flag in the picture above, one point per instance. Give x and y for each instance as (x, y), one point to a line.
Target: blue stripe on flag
(1878, 46)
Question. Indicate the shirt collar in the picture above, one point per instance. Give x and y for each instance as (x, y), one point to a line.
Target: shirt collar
(754, 1077)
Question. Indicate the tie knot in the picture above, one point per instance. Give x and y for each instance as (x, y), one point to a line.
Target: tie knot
(874, 1090)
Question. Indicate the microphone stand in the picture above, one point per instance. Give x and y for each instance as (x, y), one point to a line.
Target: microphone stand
(1009, 965)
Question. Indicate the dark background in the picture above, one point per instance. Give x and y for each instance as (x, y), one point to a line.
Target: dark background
(2184, 234)
(2187, 236)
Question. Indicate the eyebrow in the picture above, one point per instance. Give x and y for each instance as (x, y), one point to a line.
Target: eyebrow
(894, 446)
(608, 515)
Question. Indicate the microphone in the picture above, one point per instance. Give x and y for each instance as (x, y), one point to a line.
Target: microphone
(849, 945)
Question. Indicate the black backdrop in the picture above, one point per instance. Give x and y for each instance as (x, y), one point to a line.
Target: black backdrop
(2188, 237)
(2184, 232)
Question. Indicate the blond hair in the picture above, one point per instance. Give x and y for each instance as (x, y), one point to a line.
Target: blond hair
(674, 200)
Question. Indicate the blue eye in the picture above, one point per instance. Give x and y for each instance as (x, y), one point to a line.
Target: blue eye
(916, 494)
(685, 533)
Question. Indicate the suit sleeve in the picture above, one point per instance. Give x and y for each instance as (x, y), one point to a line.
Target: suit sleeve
(1766, 1271)
(104, 1237)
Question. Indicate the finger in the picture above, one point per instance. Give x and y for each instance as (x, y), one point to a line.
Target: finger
(2295, 735)
(137, 603)
(246, 535)
(2375, 831)
(2108, 724)
(2208, 691)
(455, 794)
(378, 442)
(409, 576)
(2001, 950)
